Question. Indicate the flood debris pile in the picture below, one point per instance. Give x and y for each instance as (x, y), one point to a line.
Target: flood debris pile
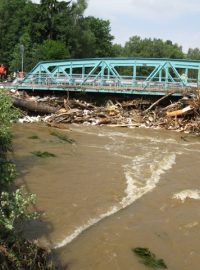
(165, 113)
(111, 113)
(182, 115)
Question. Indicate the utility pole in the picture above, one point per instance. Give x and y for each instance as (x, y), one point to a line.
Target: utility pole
(22, 57)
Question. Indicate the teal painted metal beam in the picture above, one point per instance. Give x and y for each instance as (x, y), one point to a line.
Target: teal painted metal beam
(138, 74)
(102, 90)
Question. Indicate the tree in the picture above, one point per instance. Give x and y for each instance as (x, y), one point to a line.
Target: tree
(15, 16)
(53, 15)
(137, 47)
(133, 47)
(103, 39)
(50, 50)
(16, 57)
(194, 54)
(117, 50)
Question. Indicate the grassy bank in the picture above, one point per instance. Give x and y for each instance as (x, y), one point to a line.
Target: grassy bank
(15, 252)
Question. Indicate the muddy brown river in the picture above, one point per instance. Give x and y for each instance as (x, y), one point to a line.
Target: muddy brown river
(112, 190)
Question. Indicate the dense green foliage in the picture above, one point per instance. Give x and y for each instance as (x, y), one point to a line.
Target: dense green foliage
(147, 47)
(14, 207)
(56, 29)
(194, 54)
(50, 30)
(7, 169)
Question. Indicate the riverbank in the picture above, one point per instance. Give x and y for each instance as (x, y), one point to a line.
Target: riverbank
(178, 114)
(15, 251)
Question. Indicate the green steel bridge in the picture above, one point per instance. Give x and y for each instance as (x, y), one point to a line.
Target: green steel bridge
(115, 75)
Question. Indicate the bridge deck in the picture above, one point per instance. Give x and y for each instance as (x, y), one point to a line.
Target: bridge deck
(128, 76)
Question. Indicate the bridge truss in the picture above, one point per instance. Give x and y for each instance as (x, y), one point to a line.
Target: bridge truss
(117, 75)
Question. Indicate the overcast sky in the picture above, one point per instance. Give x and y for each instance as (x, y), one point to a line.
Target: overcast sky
(176, 20)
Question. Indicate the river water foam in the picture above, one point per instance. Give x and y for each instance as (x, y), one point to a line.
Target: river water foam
(187, 194)
(152, 175)
(137, 184)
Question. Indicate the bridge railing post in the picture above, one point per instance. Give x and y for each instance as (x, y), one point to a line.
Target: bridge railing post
(166, 75)
(160, 76)
(134, 73)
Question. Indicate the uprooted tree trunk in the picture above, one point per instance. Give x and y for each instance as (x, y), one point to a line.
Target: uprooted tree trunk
(33, 106)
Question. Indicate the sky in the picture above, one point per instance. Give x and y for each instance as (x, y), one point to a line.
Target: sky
(175, 20)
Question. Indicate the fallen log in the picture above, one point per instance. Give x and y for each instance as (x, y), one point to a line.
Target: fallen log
(172, 106)
(33, 106)
(81, 104)
(158, 101)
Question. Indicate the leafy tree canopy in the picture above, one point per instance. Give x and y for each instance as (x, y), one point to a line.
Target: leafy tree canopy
(56, 29)
(50, 49)
(147, 47)
(194, 54)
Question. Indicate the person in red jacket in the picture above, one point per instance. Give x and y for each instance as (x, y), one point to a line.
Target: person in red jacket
(3, 72)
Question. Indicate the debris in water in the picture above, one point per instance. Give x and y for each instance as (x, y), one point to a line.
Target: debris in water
(62, 137)
(33, 137)
(149, 258)
(43, 154)
(30, 119)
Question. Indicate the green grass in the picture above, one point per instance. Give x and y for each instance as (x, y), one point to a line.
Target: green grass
(149, 259)
(43, 154)
(33, 137)
(62, 137)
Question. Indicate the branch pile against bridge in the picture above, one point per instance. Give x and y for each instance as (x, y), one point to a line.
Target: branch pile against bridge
(182, 115)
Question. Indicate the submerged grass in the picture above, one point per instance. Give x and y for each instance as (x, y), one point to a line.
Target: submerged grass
(44, 154)
(62, 137)
(149, 259)
(33, 137)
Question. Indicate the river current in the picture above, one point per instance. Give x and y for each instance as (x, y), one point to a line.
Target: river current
(112, 190)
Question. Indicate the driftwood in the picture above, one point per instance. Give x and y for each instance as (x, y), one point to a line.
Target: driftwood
(180, 112)
(33, 106)
(158, 101)
(172, 106)
(123, 113)
(81, 104)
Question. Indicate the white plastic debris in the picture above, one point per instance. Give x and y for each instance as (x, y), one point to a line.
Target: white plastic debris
(30, 119)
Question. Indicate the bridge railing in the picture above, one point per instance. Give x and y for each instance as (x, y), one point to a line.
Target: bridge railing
(111, 82)
(134, 74)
